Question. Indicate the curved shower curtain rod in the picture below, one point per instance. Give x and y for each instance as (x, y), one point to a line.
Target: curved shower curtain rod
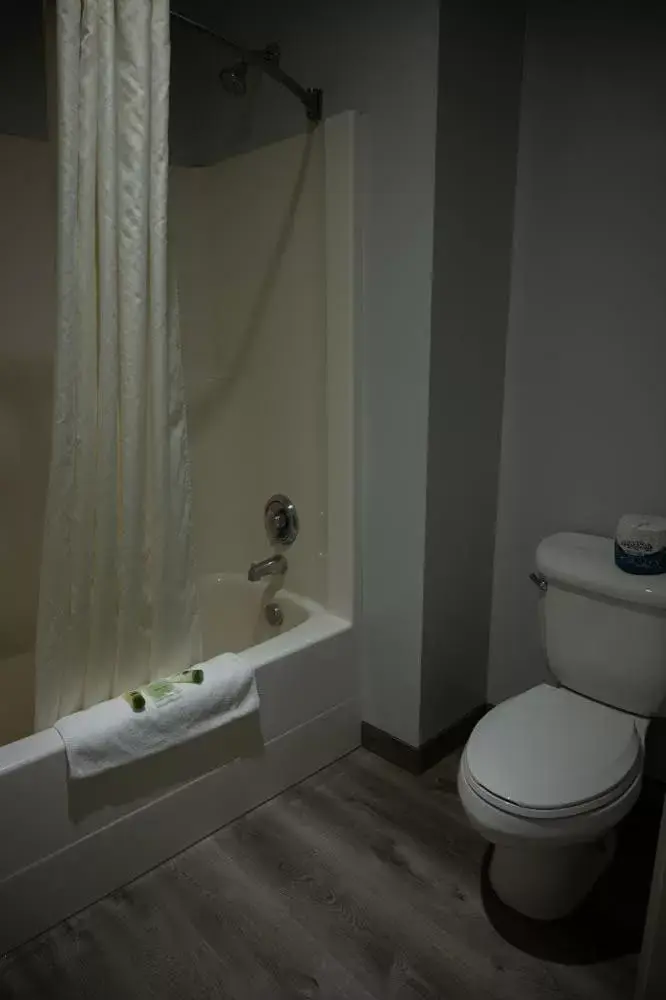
(268, 61)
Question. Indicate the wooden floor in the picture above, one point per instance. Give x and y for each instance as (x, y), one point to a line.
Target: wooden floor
(362, 882)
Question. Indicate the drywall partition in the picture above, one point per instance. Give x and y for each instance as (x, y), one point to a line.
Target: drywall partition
(480, 66)
(584, 420)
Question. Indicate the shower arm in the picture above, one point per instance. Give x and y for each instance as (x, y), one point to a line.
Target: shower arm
(265, 59)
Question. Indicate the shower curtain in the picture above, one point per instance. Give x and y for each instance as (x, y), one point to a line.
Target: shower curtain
(117, 596)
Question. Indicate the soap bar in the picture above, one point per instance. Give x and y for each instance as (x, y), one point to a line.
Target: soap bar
(640, 544)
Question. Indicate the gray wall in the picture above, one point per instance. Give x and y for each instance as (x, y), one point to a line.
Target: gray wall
(22, 70)
(584, 427)
(477, 137)
(378, 57)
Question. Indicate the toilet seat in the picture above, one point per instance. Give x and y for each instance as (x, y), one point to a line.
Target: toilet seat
(589, 807)
(550, 753)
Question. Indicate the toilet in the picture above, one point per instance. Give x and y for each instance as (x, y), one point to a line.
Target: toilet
(546, 776)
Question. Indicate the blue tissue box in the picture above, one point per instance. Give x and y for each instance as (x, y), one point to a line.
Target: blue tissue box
(641, 563)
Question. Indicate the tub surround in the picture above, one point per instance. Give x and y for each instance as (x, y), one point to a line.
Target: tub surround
(58, 854)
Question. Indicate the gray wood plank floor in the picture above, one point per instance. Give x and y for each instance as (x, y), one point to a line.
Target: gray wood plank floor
(362, 882)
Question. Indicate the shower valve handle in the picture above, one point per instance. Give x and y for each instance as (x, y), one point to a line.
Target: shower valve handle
(281, 520)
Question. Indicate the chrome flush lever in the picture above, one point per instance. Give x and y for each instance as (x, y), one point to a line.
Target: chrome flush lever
(539, 581)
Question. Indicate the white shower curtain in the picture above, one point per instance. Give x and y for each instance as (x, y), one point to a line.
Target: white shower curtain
(117, 597)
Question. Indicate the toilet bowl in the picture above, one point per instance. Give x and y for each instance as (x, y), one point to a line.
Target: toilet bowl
(545, 777)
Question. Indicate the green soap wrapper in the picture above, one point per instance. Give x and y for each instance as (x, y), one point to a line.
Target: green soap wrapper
(161, 690)
(135, 700)
(193, 675)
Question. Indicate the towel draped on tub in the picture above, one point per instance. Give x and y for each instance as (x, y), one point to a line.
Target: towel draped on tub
(111, 734)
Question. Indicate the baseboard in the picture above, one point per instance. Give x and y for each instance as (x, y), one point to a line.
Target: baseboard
(43, 894)
(416, 760)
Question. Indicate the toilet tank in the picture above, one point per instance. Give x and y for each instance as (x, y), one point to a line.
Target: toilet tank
(604, 629)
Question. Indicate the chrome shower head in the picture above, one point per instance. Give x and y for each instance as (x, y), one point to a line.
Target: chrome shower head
(234, 79)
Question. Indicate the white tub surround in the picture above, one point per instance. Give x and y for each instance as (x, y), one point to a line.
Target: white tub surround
(60, 851)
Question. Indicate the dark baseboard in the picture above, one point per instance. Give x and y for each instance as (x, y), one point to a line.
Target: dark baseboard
(416, 760)
(390, 748)
(452, 738)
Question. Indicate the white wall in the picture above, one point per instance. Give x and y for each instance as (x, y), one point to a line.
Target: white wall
(584, 427)
(379, 58)
(480, 59)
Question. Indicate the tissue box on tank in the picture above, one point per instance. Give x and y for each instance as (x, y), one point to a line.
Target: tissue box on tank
(640, 544)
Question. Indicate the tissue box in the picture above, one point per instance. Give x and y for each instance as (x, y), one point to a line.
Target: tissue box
(640, 544)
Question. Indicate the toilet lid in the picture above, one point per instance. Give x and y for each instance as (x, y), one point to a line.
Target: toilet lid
(550, 748)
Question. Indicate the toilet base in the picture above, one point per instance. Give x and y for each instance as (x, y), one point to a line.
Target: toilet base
(549, 883)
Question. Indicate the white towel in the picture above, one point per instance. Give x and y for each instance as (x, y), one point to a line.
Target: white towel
(111, 733)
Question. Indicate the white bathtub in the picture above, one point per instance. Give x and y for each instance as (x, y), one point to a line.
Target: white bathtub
(53, 863)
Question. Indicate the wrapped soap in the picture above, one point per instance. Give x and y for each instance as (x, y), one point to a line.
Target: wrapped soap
(640, 544)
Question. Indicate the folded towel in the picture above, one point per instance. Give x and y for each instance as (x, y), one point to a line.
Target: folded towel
(111, 733)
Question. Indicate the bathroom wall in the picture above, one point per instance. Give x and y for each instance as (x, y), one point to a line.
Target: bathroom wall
(249, 242)
(27, 334)
(480, 67)
(27, 337)
(27, 312)
(22, 71)
(584, 423)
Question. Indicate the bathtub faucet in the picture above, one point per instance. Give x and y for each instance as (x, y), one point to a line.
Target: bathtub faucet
(273, 566)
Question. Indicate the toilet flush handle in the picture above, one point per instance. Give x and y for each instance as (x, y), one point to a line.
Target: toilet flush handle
(539, 581)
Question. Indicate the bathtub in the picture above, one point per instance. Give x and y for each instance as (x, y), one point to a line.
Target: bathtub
(59, 854)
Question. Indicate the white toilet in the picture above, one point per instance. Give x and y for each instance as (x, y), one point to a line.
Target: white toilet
(547, 775)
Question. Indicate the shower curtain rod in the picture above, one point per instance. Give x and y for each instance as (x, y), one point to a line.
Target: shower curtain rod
(267, 61)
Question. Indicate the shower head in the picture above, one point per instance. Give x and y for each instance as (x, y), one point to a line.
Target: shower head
(234, 79)
(267, 60)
